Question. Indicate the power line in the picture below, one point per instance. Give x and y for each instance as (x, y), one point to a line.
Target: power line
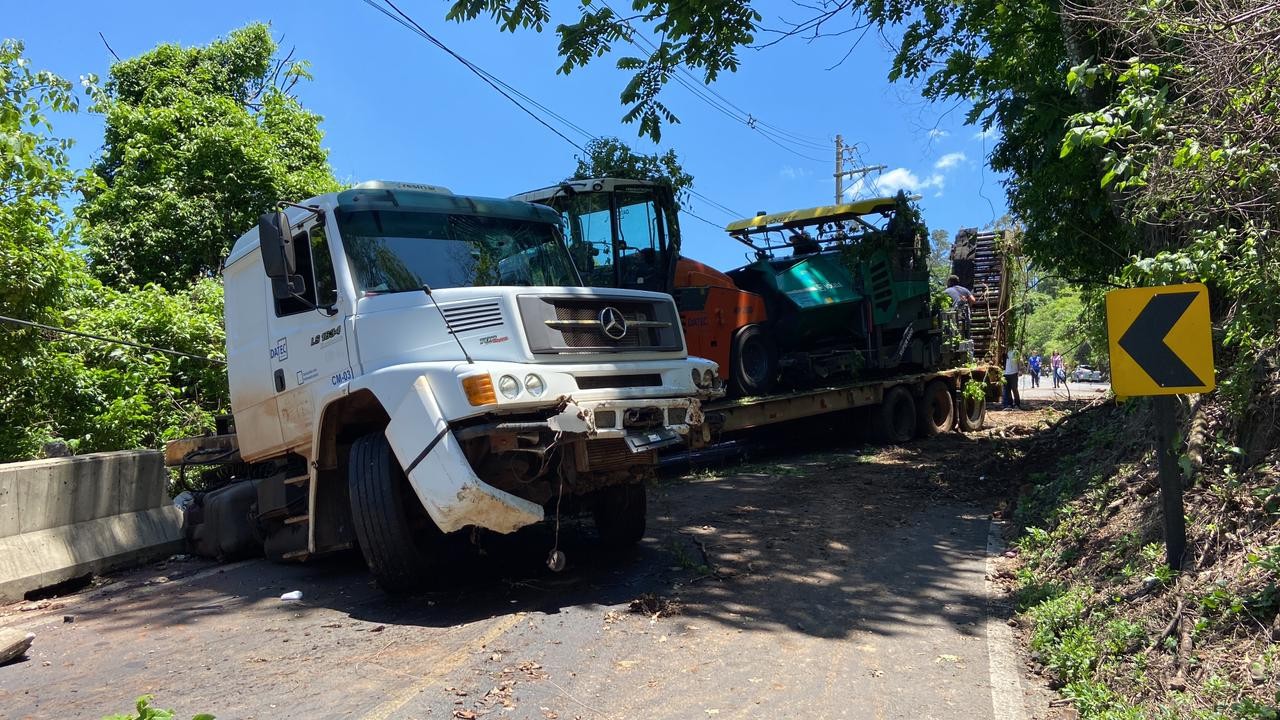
(714, 99)
(103, 338)
(696, 216)
(730, 211)
(418, 29)
(507, 90)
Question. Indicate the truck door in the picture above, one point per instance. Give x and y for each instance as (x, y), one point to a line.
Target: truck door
(308, 345)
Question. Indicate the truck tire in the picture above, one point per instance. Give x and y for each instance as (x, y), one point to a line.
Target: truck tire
(936, 412)
(971, 413)
(619, 514)
(897, 416)
(753, 361)
(399, 541)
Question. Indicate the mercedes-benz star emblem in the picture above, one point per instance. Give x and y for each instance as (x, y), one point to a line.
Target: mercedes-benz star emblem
(612, 323)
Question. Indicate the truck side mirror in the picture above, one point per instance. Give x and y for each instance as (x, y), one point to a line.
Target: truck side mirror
(276, 241)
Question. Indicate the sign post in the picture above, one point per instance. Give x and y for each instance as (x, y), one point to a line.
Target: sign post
(1161, 345)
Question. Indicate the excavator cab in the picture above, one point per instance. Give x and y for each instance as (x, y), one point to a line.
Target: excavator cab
(620, 233)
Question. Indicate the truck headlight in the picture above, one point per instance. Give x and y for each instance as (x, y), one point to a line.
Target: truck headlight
(509, 387)
(535, 385)
(708, 378)
(697, 377)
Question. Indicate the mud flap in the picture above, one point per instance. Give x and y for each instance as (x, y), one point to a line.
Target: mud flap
(440, 474)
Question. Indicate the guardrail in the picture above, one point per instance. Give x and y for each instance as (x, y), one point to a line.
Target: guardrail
(65, 518)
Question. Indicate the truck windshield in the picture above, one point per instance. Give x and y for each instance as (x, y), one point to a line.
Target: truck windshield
(393, 251)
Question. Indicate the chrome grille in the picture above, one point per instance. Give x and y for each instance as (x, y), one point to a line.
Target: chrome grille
(579, 324)
(573, 324)
(474, 316)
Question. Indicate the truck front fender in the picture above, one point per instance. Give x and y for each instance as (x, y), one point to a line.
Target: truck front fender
(439, 472)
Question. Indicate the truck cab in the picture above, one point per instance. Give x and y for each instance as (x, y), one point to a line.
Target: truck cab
(405, 362)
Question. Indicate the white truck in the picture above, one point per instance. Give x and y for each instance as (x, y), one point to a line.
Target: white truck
(406, 363)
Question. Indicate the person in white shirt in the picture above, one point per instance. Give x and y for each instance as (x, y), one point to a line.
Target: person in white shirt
(1011, 397)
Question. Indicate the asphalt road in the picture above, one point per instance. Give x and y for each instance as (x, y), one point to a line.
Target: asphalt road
(844, 584)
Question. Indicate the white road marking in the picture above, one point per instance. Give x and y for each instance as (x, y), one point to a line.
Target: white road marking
(1006, 685)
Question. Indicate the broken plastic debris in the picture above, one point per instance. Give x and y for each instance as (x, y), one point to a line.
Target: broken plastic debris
(292, 596)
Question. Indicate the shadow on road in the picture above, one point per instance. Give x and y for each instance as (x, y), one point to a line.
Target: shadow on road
(823, 544)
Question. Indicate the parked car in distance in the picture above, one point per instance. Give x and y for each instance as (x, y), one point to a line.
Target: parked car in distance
(1086, 373)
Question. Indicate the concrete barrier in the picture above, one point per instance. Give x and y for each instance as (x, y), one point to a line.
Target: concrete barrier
(64, 518)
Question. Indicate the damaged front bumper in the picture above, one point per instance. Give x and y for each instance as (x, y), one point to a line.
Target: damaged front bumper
(432, 454)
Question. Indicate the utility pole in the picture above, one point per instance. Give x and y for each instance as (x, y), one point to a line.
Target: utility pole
(839, 169)
(841, 173)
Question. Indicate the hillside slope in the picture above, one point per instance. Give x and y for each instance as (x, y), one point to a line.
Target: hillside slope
(1106, 621)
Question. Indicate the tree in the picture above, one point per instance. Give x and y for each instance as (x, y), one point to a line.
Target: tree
(610, 157)
(34, 234)
(199, 142)
(96, 395)
(705, 36)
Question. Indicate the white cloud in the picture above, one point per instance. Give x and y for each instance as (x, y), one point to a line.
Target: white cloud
(894, 180)
(938, 134)
(984, 134)
(949, 160)
(792, 173)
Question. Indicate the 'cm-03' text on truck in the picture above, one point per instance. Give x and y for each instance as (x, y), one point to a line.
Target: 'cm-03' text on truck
(405, 363)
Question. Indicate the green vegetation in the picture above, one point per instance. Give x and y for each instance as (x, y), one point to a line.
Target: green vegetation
(144, 711)
(611, 157)
(1114, 628)
(199, 141)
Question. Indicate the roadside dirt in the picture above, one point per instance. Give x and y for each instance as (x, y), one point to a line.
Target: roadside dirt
(841, 582)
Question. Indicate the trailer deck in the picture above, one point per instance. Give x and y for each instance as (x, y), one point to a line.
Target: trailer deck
(751, 412)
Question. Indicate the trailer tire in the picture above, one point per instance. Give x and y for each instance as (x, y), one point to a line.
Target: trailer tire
(937, 410)
(972, 412)
(897, 416)
(753, 361)
(619, 514)
(399, 545)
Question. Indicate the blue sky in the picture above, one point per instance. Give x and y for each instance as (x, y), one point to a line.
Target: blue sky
(397, 108)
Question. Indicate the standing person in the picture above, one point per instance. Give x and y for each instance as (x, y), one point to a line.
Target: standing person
(1011, 397)
(962, 298)
(958, 292)
(1033, 363)
(1057, 368)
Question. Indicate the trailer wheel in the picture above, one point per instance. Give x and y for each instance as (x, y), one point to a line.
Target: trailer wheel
(972, 413)
(937, 411)
(897, 416)
(399, 540)
(753, 361)
(619, 514)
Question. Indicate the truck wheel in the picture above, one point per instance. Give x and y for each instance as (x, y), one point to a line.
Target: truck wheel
(972, 413)
(619, 513)
(398, 539)
(897, 417)
(937, 411)
(753, 361)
